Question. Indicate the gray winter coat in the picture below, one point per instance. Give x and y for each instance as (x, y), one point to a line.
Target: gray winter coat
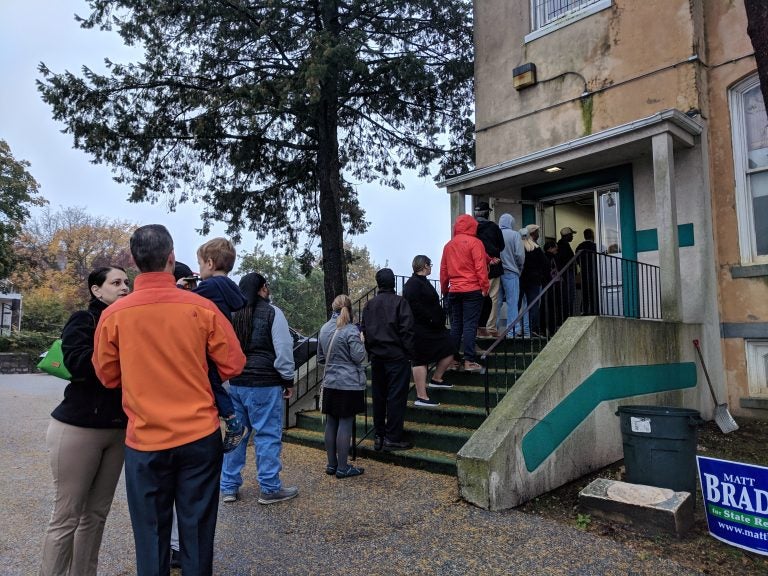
(513, 255)
(344, 368)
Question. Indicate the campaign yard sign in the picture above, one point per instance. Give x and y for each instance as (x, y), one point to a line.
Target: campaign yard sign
(736, 502)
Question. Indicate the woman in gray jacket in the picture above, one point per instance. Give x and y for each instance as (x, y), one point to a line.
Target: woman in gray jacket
(342, 352)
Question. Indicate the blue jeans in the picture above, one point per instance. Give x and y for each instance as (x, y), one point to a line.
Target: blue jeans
(465, 308)
(510, 288)
(531, 318)
(261, 410)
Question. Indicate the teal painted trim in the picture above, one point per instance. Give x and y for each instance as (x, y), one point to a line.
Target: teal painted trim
(529, 214)
(685, 235)
(648, 240)
(603, 384)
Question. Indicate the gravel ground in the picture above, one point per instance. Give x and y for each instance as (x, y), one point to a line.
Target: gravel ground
(391, 520)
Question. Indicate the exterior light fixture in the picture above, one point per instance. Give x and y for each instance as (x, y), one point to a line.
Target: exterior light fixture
(524, 76)
(552, 169)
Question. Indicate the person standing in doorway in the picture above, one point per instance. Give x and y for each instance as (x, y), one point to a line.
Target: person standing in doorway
(587, 252)
(155, 343)
(490, 235)
(564, 256)
(387, 325)
(535, 275)
(512, 260)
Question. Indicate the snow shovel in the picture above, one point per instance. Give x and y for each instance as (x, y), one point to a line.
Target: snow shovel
(723, 418)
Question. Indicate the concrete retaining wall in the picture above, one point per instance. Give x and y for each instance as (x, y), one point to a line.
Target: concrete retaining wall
(558, 421)
(16, 363)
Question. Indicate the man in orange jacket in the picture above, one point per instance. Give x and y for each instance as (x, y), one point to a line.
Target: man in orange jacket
(155, 345)
(464, 278)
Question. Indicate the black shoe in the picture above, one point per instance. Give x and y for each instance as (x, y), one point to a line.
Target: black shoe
(378, 442)
(350, 472)
(175, 558)
(390, 446)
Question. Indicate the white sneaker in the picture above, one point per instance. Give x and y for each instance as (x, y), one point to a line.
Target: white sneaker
(426, 403)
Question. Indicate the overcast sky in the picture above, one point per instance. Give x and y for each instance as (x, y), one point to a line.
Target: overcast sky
(402, 223)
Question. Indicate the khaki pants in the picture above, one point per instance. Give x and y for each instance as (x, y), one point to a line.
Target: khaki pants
(493, 292)
(86, 465)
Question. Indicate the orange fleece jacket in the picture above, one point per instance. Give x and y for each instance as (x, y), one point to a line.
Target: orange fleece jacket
(154, 343)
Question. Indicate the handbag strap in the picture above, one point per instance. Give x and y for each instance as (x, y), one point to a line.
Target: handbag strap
(328, 355)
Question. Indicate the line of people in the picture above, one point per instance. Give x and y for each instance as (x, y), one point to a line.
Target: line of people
(146, 392)
(148, 371)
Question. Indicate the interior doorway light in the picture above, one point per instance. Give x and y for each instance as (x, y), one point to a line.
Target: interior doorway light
(552, 169)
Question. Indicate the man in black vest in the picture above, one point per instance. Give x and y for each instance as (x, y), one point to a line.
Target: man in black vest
(387, 325)
(260, 391)
(490, 235)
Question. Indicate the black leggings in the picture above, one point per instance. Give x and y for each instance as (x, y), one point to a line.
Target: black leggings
(338, 437)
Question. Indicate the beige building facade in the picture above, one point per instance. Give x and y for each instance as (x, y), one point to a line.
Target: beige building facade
(645, 122)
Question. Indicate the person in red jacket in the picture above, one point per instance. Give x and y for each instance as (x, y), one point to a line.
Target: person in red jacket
(464, 278)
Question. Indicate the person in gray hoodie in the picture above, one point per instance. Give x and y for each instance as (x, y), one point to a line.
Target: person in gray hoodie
(512, 259)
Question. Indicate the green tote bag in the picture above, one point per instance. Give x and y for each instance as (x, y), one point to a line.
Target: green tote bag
(53, 362)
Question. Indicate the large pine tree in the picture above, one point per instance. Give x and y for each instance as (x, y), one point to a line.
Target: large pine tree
(268, 110)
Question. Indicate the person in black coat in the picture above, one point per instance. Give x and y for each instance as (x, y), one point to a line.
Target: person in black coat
(535, 275)
(433, 340)
(490, 235)
(587, 252)
(85, 439)
(387, 325)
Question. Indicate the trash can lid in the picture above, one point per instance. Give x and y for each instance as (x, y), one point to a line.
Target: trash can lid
(657, 411)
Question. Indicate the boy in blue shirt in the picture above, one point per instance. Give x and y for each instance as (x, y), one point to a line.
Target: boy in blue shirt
(216, 258)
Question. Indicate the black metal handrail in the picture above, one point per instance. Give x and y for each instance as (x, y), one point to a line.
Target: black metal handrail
(610, 286)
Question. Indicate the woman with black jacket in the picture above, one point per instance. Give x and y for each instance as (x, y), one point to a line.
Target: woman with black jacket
(86, 439)
(433, 341)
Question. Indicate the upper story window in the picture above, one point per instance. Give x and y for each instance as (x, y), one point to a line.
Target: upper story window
(749, 124)
(549, 15)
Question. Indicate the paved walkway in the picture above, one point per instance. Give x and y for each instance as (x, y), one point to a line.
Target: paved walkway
(389, 521)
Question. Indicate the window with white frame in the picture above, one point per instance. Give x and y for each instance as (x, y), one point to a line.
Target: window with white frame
(549, 12)
(757, 367)
(749, 124)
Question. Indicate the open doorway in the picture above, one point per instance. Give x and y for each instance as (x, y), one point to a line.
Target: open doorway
(596, 209)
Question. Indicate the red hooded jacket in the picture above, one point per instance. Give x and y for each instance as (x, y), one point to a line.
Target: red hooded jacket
(464, 265)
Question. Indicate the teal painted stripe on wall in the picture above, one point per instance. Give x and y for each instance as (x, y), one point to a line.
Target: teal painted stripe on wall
(603, 384)
(648, 240)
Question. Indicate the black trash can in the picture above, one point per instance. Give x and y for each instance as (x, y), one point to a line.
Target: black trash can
(660, 446)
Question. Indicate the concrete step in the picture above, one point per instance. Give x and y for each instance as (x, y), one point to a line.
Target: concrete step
(459, 416)
(417, 457)
(429, 436)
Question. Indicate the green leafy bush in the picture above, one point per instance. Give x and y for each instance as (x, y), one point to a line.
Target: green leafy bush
(32, 343)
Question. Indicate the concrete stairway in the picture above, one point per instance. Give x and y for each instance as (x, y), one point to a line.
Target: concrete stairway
(437, 433)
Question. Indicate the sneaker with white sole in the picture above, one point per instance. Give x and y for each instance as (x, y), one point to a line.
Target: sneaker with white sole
(229, 497)
(443, 384)
(285, 493)
(426, 403)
